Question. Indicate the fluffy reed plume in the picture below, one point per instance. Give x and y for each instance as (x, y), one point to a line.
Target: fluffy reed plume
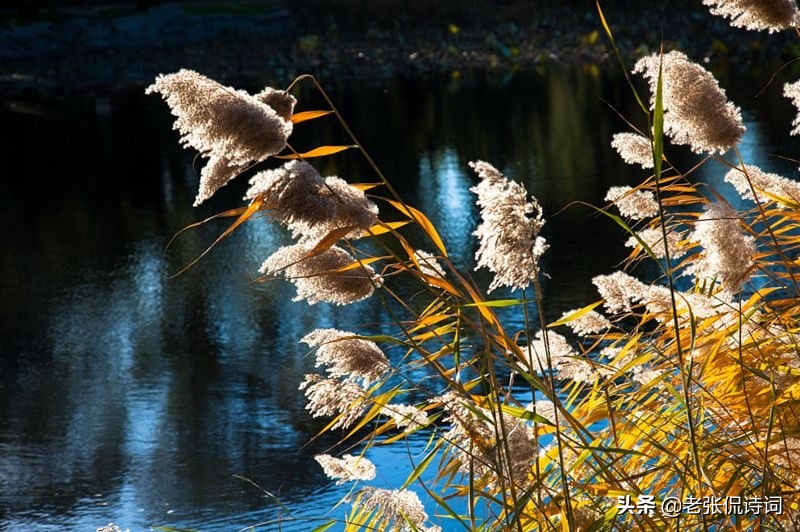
(633, 148)
(565, 362)
(308, 204)
(347, 468)
(727, 252)
(770, 15)
(633, 204)
(406, 417)
(560, 349)
(482, 444)
(399, 510)
(428, 264)
(510, 245)
(591, 322)
(315, 277)
(332, 397)
(654, 239)
(769, 187)
(792, 91)
(346, 356)
(620, 290)
(696, 110)
(281, 101)
(230, 126)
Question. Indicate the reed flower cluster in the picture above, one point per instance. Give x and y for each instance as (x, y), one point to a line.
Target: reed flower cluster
(346, 356)
(654, 239)
(684, 381)
(316, 276)
(347, 468)
(309, 205)
(697, 112)
(588, 323)
(769, 15)
(633, 148)
(428, 265)
(328, 397)
(231, 127)
(510, 243)
(727, 252)
(768, 187)
(633, 204)
(407, 417)
(492, 449)
(792, 91)
(399, 510)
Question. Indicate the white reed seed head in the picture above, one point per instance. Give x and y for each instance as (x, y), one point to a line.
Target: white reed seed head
(332, 397)
(510, 245)
(633, 204)
(428, 264)
(727, 251)
(308, 204)
(620, 291)
(654, 239)
(697, 112)
(792, 91)
(315, 279)
(480, 444)
(406, 417)
(768, 186)
(757, 15)
(634, 149)
(347, 468)
(591, 322)
(397, 508)
(228, 125)
(346, 356)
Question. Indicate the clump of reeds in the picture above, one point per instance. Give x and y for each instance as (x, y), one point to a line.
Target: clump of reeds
(683, 387)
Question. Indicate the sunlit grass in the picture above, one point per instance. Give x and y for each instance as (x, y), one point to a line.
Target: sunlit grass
(685, 388)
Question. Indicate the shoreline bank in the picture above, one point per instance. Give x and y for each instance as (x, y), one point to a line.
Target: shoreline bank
(96, 51)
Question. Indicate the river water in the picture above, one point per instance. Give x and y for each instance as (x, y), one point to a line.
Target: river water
(133, 397)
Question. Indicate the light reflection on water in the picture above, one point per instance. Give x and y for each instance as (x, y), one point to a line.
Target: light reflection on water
(131, 397)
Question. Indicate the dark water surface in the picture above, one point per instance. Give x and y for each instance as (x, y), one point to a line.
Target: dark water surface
(130, 397)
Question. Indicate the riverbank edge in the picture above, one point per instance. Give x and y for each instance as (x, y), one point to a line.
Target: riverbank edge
(92, 52)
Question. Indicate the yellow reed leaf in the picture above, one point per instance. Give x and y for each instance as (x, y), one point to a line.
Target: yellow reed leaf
(308, 115)
(358, 264)
(445, 285)
(365, 186)
(423, 221)
(575, 315)
(429, 320)
(384, 227)
(483, 309)
(243, 217)
(226, 214)
(329, 240)
(790, 394)
(316, 152)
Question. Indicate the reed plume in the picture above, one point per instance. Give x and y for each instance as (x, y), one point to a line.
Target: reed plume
(316, 278)
(346, 356)
(347, 468)
(231, 127)
(758, 15)
(697, 112)
(309, 205)
(510, 245)
(633, 148)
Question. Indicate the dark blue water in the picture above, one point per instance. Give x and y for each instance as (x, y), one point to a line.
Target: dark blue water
(133, 397)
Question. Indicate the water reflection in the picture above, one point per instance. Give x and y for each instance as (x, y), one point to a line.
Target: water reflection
(129, 396)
